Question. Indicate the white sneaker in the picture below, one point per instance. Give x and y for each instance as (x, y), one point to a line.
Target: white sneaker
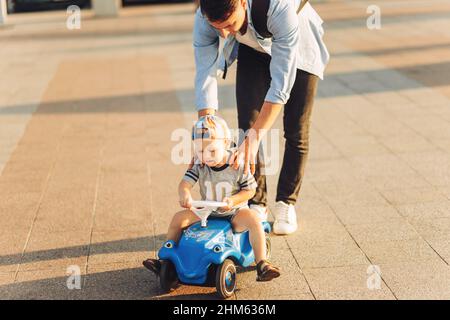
(260, 210)
(285, 218)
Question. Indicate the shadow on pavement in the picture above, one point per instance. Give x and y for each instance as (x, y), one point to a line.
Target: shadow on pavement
(378, 81)
(134, 283)
(359, 82)
(402, 17)
(162, 101)
(96, 34)
(125, 245)
(390, 51)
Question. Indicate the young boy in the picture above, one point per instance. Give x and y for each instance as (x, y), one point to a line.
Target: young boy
(219, 182)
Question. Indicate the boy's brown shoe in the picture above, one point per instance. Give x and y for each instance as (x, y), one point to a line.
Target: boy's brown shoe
(266, 271)
(154, 265)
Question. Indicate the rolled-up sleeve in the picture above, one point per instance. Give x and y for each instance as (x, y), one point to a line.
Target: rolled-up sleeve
(206, 52)
(282, 22)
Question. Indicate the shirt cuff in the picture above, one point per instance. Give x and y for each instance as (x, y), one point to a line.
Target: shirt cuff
(276, 96)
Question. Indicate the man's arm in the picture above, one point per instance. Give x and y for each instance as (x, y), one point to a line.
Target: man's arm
(266, 118)
(206, 53)
(282, 22)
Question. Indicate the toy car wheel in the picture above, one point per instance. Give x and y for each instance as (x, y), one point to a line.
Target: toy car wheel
(168, 278)
(268, 247)
(226, 279)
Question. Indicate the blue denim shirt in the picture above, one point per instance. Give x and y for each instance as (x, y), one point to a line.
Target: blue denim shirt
(296, 44)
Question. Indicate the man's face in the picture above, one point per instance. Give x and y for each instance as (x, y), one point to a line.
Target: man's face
(234, 21)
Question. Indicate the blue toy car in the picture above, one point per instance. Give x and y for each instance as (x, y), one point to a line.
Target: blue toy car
(207, 251)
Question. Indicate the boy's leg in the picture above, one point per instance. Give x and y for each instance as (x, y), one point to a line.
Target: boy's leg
(246, 219)
(252, 84)
(180, 220)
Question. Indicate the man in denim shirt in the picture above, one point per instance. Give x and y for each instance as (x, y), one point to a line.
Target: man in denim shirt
(272, 73)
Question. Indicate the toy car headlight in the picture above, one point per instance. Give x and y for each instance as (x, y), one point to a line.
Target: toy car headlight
(217, 249)
(168, 245)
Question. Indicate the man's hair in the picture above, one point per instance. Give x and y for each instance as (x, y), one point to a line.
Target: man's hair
(218, 10)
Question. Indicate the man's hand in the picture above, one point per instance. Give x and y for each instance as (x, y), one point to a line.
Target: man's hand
(208, 111)
(246, 154)
(248, 150)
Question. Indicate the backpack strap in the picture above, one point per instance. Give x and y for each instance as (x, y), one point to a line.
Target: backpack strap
(259, 16)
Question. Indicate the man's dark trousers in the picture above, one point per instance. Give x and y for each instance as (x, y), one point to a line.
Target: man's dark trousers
(252, 83)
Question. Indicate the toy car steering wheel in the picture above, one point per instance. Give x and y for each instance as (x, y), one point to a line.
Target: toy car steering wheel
(204, 208)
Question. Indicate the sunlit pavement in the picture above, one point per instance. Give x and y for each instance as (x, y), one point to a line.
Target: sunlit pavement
(87, 182)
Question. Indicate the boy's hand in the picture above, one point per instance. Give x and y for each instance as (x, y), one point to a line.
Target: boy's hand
(229, 206)
(186, 200)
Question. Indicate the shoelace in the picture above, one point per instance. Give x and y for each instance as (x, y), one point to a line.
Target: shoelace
(283, 214)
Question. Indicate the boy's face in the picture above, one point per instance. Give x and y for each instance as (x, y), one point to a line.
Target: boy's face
(211, 152)
(234, 22)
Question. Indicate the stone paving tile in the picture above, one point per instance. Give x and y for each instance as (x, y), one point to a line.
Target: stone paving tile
(119, 281)
(441, 246)
(356, 194)
(326, 170)
(382, 165)
(387, 252)
(440, 209)
(190, 293)
(388, 231)
(5, 279)
(11, 248)
(39, 285)
(359, 145)
(344, 283)
(327, 233)
(432, 227)
(419, 195)
(351, 214)
(291, 281)
(18, 210)
(330, 255)
(443, 144)
(298, 296)
(120, 246)
(434, 167)
(313, 212)
(445, 191)
(396, 181)
(321, 149)
(414, 280)
(61, 249)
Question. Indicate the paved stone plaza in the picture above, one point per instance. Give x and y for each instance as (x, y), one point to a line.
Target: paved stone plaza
(86, 180)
